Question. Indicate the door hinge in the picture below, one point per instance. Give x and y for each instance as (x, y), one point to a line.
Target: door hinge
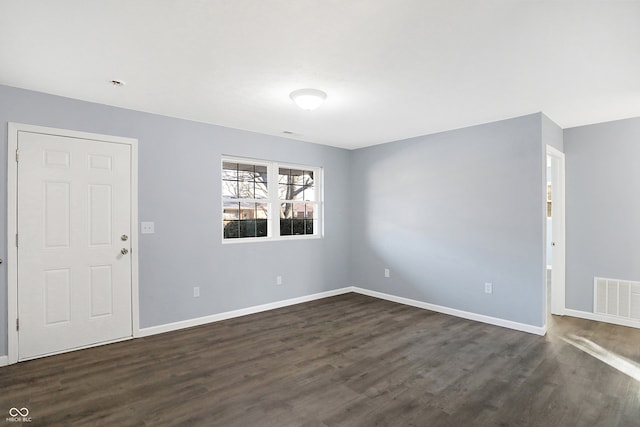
(17, 324)
(17, 155)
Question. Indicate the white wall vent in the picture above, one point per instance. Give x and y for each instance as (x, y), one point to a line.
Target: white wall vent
(620, 298)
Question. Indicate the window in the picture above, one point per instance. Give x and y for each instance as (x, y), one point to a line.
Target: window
(245, 205)
(297, 198)
(268, 200)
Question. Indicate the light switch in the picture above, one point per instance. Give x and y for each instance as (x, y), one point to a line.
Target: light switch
(147, 227)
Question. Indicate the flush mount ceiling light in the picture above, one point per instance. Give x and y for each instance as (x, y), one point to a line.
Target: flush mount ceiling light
(308, 99)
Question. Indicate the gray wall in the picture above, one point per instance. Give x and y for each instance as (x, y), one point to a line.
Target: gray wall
(603, 206)
(552, 134)
(450, 211)
(444, 212)
(179, 189)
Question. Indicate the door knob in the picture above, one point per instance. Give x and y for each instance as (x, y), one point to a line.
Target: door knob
(124, 251)
(124, 237)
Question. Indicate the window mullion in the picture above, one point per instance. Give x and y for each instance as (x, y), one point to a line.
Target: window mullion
(274, 202)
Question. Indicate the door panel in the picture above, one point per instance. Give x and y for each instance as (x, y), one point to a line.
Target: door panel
(74, 203)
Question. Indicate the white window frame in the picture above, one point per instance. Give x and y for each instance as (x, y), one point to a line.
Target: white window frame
(273, 201)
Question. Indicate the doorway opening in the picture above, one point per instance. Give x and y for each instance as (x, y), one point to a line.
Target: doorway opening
(555, 236)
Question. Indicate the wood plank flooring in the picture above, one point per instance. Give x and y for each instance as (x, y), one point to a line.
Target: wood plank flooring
(349, 360)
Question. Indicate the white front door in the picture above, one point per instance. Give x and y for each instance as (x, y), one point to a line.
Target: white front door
(74, 228)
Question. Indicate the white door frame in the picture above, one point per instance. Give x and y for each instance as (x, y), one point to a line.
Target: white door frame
(12, 224)
(558, 232)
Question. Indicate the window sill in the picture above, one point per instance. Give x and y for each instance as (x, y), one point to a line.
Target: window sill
(270, 239)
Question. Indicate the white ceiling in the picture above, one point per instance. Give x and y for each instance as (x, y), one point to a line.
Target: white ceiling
(392, 69)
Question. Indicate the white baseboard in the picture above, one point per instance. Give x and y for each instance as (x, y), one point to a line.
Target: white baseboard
(237, 313)
(602, 318)
(538, 330)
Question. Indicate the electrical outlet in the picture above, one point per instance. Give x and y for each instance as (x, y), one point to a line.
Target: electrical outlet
(488, 288)
(147, 227)
(196, 291)
(387, 272)
(278, 280)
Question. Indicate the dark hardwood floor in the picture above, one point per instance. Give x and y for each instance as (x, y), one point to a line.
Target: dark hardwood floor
(349, 360)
